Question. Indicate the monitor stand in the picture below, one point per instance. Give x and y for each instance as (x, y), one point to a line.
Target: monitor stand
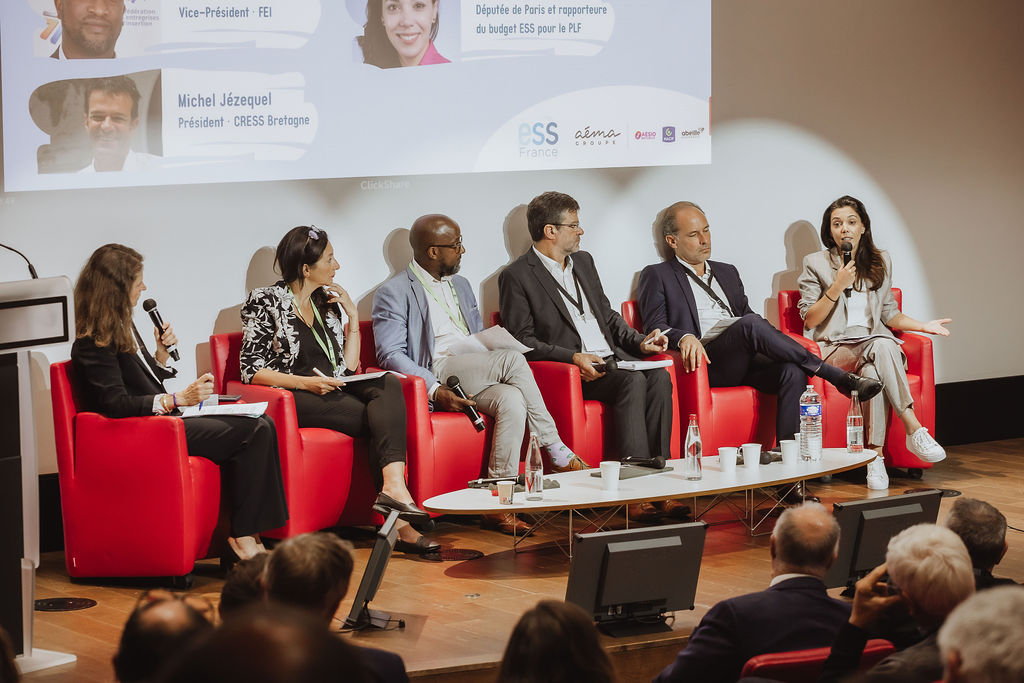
(633, 627)
(371, 618)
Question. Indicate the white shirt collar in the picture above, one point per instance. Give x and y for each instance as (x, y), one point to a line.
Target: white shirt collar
(786, 577)
(427, 276)
(553, 265)
(707, 267)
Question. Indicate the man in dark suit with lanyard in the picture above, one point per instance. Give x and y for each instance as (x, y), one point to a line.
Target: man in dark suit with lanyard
(693, 299)
(552, 300)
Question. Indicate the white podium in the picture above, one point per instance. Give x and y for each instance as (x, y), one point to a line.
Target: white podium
(33, 313)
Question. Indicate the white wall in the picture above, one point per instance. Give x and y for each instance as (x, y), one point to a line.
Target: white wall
(914, 106)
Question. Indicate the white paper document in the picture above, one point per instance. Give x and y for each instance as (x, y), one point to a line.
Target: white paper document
(359, 378)
(493, 338)
(644, 364)
(717, 329)
(243, 409)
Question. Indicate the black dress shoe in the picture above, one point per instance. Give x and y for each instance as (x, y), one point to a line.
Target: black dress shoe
(406, 511)
(866, 387)
(657, 462)
(799, 494)
(421, 546)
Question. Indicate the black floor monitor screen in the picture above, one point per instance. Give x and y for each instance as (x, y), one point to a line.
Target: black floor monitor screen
(361, 615)
(865, 527)
(630, 579)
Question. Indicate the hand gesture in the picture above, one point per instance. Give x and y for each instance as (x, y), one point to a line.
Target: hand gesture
(337, 295)
(655, 342)
(586, 362)
(165, 338)
(937, 327)
(872, 597)
(320, 384)
(846, 276)
(693, 352)
(447, 400)
(197, 392)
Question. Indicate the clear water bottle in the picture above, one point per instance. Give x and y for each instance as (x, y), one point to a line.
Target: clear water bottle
(810, 425)
(854, 426)
(534, 471)
(691, 459)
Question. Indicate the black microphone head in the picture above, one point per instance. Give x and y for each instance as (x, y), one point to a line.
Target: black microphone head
(148, 305)
(846, 247)
(452, 382)
(611, 365)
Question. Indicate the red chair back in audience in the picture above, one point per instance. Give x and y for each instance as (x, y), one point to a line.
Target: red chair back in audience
(134, 503)
(804, 666)
(920, 373)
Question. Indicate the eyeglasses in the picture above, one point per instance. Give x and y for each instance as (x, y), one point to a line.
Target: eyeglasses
(574, 226)
(457, 245)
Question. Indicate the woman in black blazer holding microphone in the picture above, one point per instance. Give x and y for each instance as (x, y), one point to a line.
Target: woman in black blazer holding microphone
(116, 376)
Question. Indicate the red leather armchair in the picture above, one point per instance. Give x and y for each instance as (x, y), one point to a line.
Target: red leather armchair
(134, 502)
(804, 666)
(584, 425)
(920, 373)
(444, 451)
(727, 416)
(320, 467)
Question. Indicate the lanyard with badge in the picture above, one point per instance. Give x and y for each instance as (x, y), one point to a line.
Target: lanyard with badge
(327, 347)
(707, 289)
(578, 301)
(456, 315)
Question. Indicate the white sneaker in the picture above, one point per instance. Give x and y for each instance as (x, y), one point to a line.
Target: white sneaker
(921, 444)
(878, 478)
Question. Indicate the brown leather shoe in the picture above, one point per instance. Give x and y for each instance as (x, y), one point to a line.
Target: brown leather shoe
(675, 509)
(642, 512)
(506, 523)
(575, 463)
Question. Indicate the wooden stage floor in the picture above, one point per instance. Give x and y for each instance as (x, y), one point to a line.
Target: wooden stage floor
(458, 615)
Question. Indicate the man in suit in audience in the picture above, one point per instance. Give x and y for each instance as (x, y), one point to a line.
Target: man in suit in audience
(311, 572)
(982, 528)
(692, 298)
(552, 300)
(929, 574)
(793, 613)
(421, 314)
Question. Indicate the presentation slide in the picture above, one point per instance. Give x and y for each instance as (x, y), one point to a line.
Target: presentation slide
(110, 93)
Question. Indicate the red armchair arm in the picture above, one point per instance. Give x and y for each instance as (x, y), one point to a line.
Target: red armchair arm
(693, 388)
(562, 388)
(116, 464)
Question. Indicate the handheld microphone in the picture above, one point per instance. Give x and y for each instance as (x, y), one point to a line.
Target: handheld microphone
(31, 268)
(609, 365)
(847, 250)
(470, 411)
(149, 306)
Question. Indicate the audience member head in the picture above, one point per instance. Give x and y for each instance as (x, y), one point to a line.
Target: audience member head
(156, 631)
(107, 289)
(8, 669)
(555, 642)
(243, 586)
(982, 528)
(269, 643)
(310, 571)
(436, 242)
(981, 639)
(930, 567)
(550, 208)
(805, 541)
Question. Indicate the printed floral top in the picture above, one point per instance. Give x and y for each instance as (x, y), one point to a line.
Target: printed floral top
(269, 337)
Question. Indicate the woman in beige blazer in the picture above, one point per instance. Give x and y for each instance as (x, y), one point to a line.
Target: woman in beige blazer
(870, 308)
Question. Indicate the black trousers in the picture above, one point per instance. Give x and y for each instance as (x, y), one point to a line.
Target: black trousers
(754, 353)
(245, 448)
(374, 408)
(641, 404)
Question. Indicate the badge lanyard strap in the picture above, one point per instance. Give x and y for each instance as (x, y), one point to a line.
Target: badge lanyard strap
(456, 319)
(327, 348)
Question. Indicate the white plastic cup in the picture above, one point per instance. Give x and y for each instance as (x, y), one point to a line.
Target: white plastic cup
(751, 455)
(790, 451)
(505, 489)
(610, 474)
(727, 459)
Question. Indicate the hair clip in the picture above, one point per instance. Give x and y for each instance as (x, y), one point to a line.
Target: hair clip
(313, 234)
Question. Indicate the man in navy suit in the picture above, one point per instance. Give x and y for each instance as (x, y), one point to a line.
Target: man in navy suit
(692, 299)
(793, 613)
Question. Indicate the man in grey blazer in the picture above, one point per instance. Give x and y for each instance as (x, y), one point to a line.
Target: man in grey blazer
(418, 315)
